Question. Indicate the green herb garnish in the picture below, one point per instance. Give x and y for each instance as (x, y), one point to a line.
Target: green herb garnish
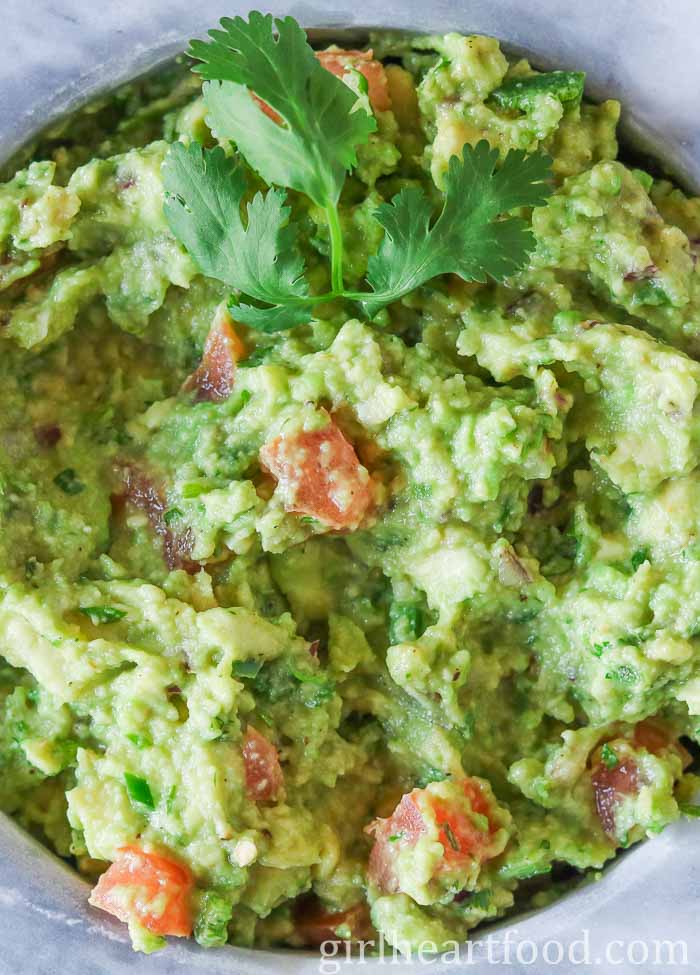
(624, 674)
(193, 489)
(102, 614)
(171, 515)
(140, 741)
(639, 557)
(467, 238)
(69, 482)
(304, 137)
(689, 809)
(139, 791)
(608, 757)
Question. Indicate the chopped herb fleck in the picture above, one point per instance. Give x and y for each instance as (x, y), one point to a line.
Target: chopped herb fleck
(172, 514)
(141, 741)
(608, 757)
(451, 838)
(139, 791)
(102, 614)
(69, 482)
(624, 674)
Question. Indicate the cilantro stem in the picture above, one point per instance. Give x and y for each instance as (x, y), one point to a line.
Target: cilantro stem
(336, 237)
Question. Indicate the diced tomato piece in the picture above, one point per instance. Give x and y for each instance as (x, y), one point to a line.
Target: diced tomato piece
(338, 62)
(321, 476)
(462, 840)
(263, 774)
(48, 434)
(315, 924)
(214, 377)
(405, 826)
(152, 889)
(652, 737)
(270, 112)
(656, 737)
(141, 491)
(609, 785)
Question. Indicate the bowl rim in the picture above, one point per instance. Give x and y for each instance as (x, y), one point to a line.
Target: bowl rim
(622, 875)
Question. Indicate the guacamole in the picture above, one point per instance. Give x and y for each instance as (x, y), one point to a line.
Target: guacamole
(371, 625)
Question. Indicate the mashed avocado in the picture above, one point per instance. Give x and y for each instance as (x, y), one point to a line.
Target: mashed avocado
(364, 626)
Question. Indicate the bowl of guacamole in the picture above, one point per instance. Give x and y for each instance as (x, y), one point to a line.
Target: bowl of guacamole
(349, 491)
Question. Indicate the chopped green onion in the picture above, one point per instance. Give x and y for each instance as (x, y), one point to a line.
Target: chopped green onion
(608, 756)
(141, 741)
(192, 489)
(139, 791)
(171, 515)
(639, 558)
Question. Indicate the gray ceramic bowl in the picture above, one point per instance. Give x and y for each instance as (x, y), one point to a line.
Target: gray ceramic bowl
(642, 916)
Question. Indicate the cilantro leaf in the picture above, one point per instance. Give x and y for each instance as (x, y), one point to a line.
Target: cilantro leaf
(468, 238)
(102, 614)
(139, 791)
(204, 191)
(314, 145)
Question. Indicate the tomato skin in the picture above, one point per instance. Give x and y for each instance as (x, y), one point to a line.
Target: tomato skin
(338, 63)
(462, 841)
(149, 887)
(655, 737)
(609, 784)
(315, 924)
(142, 492)
(214, 378)
(405, 822)
(321, 475)
(264, 778)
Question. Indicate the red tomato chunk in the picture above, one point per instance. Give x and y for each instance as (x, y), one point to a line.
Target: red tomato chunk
(321, 476)
(463, 842)
(149, 888)
(263, 774)
(214, 377)
(609, 785)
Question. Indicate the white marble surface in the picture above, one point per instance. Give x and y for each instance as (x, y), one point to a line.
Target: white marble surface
(646, 52)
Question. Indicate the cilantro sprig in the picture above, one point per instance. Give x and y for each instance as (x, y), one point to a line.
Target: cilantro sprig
(299, 127)
(467, 238)
(259, 258)
(315, 144)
